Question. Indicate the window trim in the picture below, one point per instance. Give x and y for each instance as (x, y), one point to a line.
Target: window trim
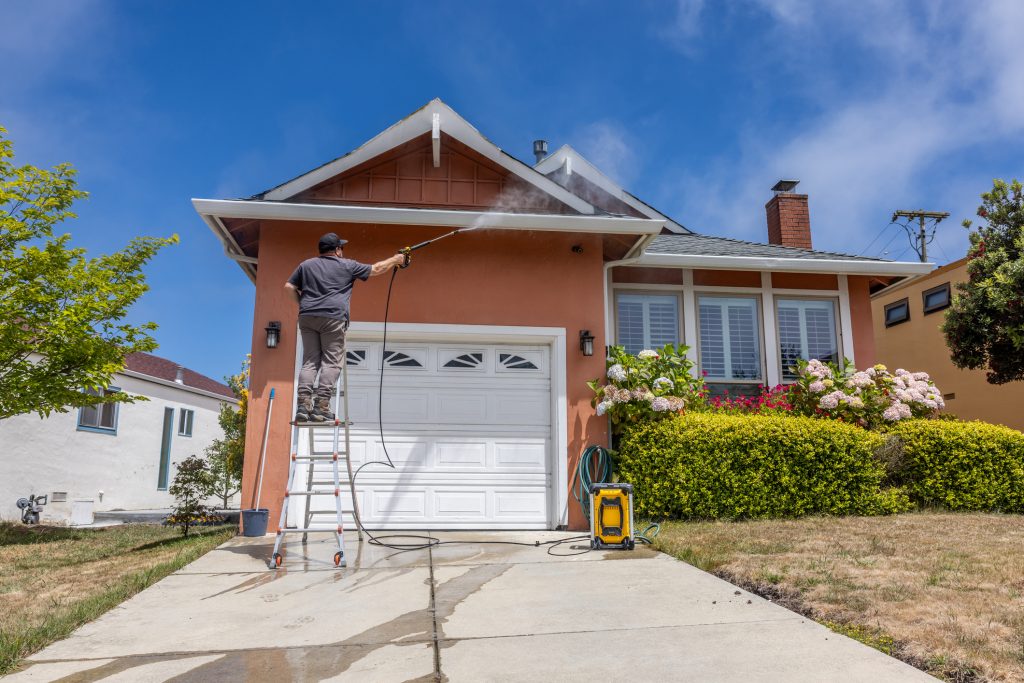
(112, 431)
(758, 325)
(191, 422)
(628, 291)
(935, 309)
(836, 321)
(905, 301)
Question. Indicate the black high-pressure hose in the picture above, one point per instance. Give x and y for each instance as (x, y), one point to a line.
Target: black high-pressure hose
(424, 541)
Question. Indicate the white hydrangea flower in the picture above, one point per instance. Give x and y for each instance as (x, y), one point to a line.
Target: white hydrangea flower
(617, 373)
(891, 413)
(662, 382)
(647, 353)
(830, 401)
(921, 376)
(861, 379)
(816, 386)
(603, 407)
(904, 410)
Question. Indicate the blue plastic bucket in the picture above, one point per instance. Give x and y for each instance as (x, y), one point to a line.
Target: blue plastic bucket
(254, 522)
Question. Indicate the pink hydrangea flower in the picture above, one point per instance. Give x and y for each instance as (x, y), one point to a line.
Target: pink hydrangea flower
(816, 386)
(891, 413)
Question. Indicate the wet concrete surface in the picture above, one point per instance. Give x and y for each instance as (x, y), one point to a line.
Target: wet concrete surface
(468, 609)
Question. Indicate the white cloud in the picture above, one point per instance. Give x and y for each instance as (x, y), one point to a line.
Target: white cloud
(946, 82)
(685, 28)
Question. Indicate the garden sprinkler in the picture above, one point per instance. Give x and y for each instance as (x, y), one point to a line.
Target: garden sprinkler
(407, 251)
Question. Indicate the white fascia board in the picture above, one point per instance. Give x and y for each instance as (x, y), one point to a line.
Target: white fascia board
(175, 385)
(383, 215)
(795, 265)
(414, 125)
(566, 154)
(231, 248)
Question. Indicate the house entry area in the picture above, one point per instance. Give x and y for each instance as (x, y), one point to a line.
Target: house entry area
(468, 425)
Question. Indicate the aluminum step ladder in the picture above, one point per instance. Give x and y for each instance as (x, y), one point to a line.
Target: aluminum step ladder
(314, 478)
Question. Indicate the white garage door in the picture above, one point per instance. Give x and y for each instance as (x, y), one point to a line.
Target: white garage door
(468, 427)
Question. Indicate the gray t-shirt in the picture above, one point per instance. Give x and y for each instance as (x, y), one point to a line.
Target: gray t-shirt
(325, 285)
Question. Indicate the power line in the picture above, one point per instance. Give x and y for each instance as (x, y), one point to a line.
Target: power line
(923, 238)
(865, 250)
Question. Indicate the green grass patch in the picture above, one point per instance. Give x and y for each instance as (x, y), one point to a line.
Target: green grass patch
(40, 569)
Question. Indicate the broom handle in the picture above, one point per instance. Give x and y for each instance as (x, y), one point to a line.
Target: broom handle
(263, 451)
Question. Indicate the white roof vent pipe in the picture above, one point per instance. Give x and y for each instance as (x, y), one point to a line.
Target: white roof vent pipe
(179, 375)
(540, 149)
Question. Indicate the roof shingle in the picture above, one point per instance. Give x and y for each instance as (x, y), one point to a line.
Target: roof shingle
(162, 368)
(705, 245)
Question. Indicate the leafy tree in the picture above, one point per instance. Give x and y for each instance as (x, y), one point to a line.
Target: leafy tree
(193, 483)
(984, 326)
(225, 455)
(62, 313)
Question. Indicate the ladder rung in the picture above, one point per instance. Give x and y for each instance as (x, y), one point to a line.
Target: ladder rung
(306, 530)
(332, 423)
(317, 457)
(325, 492)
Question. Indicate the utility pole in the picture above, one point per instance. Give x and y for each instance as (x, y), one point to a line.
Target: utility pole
(920, 241)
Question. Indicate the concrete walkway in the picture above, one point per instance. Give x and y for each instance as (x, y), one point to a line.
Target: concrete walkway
(467, 612)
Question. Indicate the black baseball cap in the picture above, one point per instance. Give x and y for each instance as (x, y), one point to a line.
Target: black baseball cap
(330, 242)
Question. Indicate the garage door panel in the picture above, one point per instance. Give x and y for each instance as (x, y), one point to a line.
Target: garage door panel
(467, 426)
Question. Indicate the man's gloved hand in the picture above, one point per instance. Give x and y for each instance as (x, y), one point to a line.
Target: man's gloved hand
(406, 255)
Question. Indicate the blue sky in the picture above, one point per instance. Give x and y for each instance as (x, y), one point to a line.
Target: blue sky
(697, 107)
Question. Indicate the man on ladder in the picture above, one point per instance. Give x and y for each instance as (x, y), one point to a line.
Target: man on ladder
(323, 287)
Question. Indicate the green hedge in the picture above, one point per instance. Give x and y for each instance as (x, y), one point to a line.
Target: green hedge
(960, 465)
(708, 466)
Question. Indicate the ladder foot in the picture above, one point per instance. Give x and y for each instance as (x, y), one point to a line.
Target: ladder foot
(277, 560)
(339, 560)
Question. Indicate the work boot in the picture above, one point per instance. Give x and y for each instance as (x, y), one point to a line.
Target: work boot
(304, 409)
(322, 410)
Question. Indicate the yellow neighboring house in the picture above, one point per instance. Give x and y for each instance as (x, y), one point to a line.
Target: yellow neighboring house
(907, 320)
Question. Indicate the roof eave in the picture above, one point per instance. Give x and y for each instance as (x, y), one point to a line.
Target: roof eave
(212, 210)
(795, 265)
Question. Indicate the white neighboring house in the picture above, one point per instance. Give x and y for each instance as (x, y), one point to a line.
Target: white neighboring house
(114, 456)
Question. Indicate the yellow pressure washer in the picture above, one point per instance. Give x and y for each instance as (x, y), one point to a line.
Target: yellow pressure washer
(611, 517)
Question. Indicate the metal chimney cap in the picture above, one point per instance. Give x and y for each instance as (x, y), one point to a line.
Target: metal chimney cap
(785, 186)
(179, 375)
(540, 149)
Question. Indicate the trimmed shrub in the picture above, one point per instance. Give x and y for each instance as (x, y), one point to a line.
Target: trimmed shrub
(709, 466)
(961, 465)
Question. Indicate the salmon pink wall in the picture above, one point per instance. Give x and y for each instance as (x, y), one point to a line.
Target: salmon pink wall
(648, 276)
(804, 281)
(489, 277)
(863, 327)
(727, 278)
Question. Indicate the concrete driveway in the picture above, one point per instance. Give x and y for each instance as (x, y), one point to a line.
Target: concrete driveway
(467, 612)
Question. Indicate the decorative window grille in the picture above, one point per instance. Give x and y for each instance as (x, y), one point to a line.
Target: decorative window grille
(355, 358)
(647, 321)
(807, 329)
(511, 361)
(466, 361)
(398, 359)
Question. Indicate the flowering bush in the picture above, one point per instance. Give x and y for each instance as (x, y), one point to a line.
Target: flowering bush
(770, 402)
(649, 385)
(870, 398)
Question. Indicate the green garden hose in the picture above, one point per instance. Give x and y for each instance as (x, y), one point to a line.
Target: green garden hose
(595, 465)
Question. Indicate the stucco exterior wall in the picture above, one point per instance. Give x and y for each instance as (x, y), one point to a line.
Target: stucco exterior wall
(919, 345)
(117, 471)
(490, 277)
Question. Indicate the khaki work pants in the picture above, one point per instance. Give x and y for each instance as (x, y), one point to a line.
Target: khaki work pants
(322, 342)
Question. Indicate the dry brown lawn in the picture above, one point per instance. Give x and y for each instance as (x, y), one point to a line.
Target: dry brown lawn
(53, 579)
(942, 590)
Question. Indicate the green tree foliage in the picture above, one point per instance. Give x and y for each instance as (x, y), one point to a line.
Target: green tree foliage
(193, 483)
(62, 314)
(984, 327)
(225, 456)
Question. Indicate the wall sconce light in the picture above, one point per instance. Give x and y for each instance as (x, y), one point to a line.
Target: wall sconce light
(586, 343)
(273, 329)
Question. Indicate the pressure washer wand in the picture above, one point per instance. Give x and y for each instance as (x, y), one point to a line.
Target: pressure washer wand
(407, 251)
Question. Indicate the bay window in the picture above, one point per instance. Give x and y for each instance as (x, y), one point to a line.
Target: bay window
(807, 329)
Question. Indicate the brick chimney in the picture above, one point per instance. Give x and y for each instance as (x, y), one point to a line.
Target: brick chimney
(789, 222)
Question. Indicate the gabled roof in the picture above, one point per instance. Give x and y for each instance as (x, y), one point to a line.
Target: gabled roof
(567, 161)
(163, 369)
(433, 118)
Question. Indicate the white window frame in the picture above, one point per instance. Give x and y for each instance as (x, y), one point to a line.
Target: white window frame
(836, 321)
(758, 303)
(666, 292)
(182, 422)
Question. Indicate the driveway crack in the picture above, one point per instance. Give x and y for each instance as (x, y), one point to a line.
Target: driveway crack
(438, 676)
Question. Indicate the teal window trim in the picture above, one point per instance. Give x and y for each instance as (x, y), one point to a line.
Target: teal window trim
(166, 437)
(186, 421)
(97, 428)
